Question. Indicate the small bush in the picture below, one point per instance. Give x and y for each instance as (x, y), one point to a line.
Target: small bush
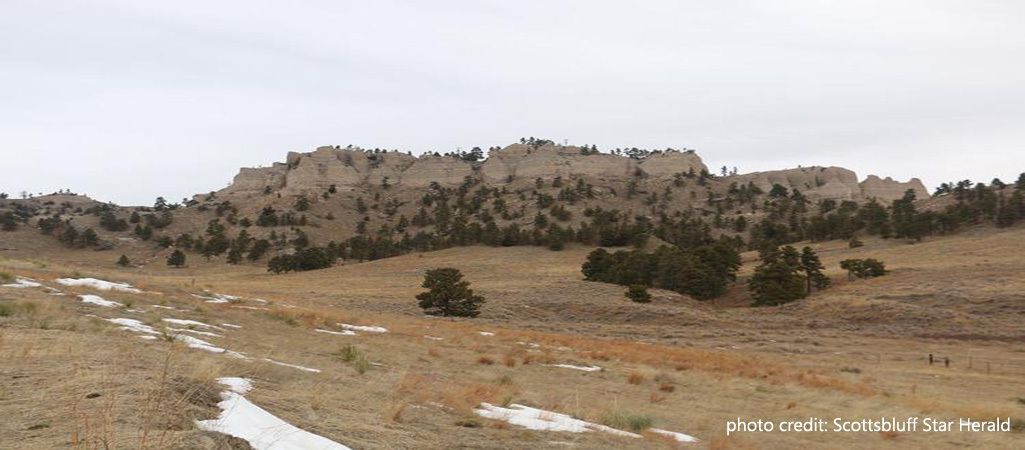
(349, 353)
(468, 423)
(638, 293)
(485, 361)
(635, 378)
(627, 421)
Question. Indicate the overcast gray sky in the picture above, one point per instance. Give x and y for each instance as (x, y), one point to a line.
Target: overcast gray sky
(127, 100)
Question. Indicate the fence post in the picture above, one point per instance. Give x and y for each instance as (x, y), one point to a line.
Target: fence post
(946, 361)
(930, 359)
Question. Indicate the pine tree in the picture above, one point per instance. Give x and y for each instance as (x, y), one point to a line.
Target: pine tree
(123, 261)
(812, 268)
(777, 279)
(638, 293)
(177, 259)
(448, 295)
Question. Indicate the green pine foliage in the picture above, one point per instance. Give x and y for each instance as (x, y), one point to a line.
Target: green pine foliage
(176, 259)
(448, 294)
(863, 268)
(638, 293)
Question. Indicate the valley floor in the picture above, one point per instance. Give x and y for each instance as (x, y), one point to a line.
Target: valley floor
(313, 347)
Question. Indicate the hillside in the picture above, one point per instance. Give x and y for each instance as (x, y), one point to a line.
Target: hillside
(859, 347)
(373, 204)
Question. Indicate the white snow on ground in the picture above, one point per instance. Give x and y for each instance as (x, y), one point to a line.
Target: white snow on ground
(165, 307)
(530, 344)
(363, 328)
(539, 419)
(340, 333)
(193, 323)
(433, 338)
(229, 325)
(133, 325)
(23, 283)
(305, 369)
(486, 333)
(241, 418)
(680, 437)
(97, 300)
(98, 284)
(218, 298)
(148, 337)
(250, 307)
(571, 366)
(201, 333)
(197, 343)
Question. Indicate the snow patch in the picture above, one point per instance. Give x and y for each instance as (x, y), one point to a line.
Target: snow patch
(571, 366)
(197, 343)
(192, 323)
(434, 338)
(539, 419)
(368, 329)
(201, 333)
(97, 300)
(264, 431)
(486, 333)
(133, 325)
(98, 284)
(680, 437)
(542, 420)
(218, 298)
(23, 283)
(304, 369)
(231, 325)
(340, 333)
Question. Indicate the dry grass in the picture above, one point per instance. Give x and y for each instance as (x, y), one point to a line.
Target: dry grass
(688, 366)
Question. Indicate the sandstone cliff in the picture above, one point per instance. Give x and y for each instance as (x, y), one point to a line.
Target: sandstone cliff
(350, 168)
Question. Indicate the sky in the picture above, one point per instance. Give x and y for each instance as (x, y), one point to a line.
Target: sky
(126, 100)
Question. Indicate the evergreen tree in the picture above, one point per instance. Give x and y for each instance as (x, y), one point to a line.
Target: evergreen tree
(863, 268)
(176, 259)
(123, 261)
(638, 293)
(448, 295)
(777, 280)
(88, 238)
(812, 268)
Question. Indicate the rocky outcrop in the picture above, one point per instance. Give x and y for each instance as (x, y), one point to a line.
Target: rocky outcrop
(316, 171)
(814, 182)
(887, 190)
(837, 183)
(345, 168)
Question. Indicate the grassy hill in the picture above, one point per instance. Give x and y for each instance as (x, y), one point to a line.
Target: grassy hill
(857, 350)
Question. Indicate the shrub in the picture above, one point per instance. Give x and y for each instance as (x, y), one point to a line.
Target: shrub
(176, 259)
(638, 293)
(863, 268)
(627, 421)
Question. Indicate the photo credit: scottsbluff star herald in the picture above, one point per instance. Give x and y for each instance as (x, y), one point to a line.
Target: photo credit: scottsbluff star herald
(913, 424)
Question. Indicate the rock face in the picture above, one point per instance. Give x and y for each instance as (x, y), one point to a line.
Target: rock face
(835, 183)
(888, 189)
(348, 168)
